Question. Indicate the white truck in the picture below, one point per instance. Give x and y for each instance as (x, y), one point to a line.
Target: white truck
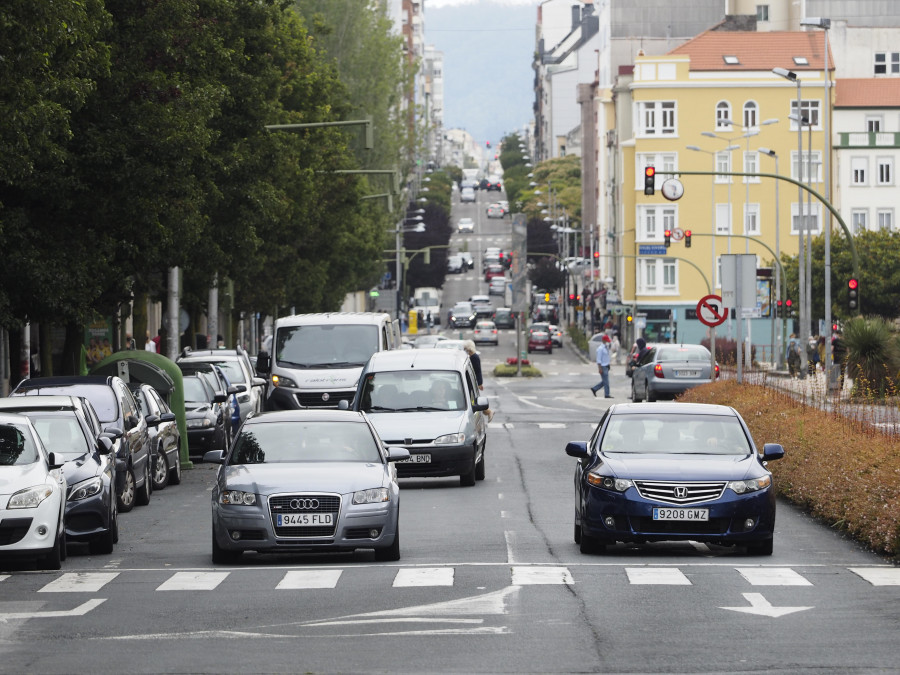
(428, 299)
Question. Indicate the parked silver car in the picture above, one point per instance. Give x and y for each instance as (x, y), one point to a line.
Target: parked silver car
(669, 370)
(306, 480)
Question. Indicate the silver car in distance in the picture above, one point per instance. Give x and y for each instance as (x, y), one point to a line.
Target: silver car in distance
(306, 481)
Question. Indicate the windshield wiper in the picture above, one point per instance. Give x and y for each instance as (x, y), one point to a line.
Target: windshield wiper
(420, 408)
(381, 407)
(342, 364)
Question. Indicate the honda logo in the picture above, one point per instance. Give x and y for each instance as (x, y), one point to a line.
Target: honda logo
(680, 492)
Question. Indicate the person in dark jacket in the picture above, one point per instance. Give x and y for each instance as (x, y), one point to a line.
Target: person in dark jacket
(474, 357)
(641, 352)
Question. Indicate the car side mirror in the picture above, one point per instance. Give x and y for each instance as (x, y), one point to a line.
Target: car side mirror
(220, 398)
(104, 445)
(167, 417)
(51, 460)
(263, 363)
(772, 451)
(152, 420)
(397, 454)
(113, 432)
(259, 382)
(481, 404)
(577, 449)
(241, 388)
(214, 457)
(233, 389)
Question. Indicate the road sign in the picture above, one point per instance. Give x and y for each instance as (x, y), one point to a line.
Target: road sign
(677, 234)
(711, 311)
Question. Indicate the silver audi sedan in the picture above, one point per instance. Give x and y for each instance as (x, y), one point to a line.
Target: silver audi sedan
(306, 481)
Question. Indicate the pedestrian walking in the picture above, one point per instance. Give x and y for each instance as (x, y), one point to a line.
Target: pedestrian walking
(603, 367)
(615, 349)
(793, 356)
(820, 347)
(839, 354)
(149, 345)
(812, 355)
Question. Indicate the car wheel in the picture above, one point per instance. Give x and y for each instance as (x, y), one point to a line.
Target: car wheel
(175, 471)
(479, 466)
(390, 553)
(634, 397)
(577, 535)
(103, 544)
(63, 548)
(760, 547)
(468, 479)
(651, 395)
(221, 556)
(114, 525)
(160, 470)
(142, 494)
(55, 556)
(126, 498)
(591, 545)
(550, 351)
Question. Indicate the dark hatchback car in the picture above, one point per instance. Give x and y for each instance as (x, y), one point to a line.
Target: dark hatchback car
(165, 439)
(540, 341)
(69, 428)
(462, 315)
(504, 317)
(121, 419)
(205, 417)
(673, 471)
(220, 383)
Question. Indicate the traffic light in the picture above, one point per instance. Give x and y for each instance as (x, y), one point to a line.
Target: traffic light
(546, 297)
(487, 143)
(649, 180)
(668, 235)
(853, 295)
(687, 238)
(629, 318)
(788, 308)
(571, 298)
(779, 309)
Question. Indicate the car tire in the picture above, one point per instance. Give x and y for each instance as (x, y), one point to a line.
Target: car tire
(651, 395)
(479, 465)
(761, 547)
(175, 471)
(114, 525)
(54, 557)
(550, 351)
(591, 545)
(634, 397)
(221, 556)
(468, 479)
(390, 553)
(104, 544)
(577, 535)
(160, 478)
(142, 494)
(126, 499)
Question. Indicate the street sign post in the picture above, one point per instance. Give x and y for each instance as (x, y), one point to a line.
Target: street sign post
(711, 311)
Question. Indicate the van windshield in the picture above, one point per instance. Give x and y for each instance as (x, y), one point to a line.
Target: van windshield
(325, 346)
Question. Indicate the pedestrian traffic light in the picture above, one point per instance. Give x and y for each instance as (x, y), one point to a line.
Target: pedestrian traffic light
(779, 309)
(853, 295)
(668, 235)
(649, 180)
(687, 238)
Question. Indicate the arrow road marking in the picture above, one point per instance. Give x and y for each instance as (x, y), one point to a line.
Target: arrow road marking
(762, 607)
(81, 610)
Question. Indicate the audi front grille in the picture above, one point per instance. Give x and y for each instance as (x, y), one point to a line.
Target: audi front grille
(679, 492)
(305, 502)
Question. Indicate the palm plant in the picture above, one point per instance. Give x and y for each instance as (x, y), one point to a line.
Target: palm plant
(873, 356)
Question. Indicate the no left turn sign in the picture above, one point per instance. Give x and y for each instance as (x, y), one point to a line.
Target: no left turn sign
(711, 311)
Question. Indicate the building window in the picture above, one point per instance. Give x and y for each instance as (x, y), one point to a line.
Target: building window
(811, 218)
(859, 220)
(751, 165)
(723, 218)
(751, 219)
(885, 170)
(751, 118)
(807, 173)
(873, 124)
(859, 168)
(658, 276)
(723, 165)
(885, 219)
(657, 118)
(809, 110)
(887, 62)
(723, 115)
(762, 12)
(654, 220)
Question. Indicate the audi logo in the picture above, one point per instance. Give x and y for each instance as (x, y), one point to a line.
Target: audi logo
(304, 504)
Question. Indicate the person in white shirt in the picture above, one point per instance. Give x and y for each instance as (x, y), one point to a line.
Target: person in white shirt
(603, 364)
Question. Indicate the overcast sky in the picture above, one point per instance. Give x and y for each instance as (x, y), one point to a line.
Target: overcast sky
(488, 47)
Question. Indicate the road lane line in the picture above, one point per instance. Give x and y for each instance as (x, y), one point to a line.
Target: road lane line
(878, 576)
(306, 579)
(79, 582)
(531, 576)
(424, 576)
(193, 581)
(656, 576)
(772, 576)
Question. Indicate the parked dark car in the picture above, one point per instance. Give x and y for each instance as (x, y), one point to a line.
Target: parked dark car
(69, 428)
(238, 369)
(118, 413)
(217, 380)
(165, 439)
(673, 471)
(667, 370)
(205, 416)
(504, 317)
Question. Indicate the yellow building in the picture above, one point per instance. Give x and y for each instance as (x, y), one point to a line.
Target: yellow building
(714, 105)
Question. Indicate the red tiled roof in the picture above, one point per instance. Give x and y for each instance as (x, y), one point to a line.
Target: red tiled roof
(870, 92)
(756, 51)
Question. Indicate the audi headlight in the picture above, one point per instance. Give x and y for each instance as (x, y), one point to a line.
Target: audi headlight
(198, 423)
(86, 488)
(450, 439)
(279, 381)
(751, 485)
(237, 498)
(373, 496)
(30, 498)
(609, 482)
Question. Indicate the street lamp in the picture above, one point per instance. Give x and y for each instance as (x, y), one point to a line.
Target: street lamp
(825, 24)
(791, 76)
(779, 361)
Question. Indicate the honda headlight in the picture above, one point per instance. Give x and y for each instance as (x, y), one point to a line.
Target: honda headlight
(373, 496)
(750, 485)
(30, 498)
(609, 482)
(237, 498)
(85, 489)
(450, 439)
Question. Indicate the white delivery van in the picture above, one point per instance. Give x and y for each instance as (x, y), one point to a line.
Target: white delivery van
(428, 299)
(316, 359)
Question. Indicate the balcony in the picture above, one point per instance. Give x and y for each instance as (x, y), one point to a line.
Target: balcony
(869, 139)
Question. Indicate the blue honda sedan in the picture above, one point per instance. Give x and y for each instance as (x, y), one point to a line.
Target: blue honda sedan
(673, 471)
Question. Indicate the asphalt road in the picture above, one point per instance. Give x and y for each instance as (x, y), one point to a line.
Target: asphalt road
(490, 579)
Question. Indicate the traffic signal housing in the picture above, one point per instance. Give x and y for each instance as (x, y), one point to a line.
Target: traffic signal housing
(853, 295)
(687, 238)
(788, 308)
(779, 309)
(668, 237)
(649, 180)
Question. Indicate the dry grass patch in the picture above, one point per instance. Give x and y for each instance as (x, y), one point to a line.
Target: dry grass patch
(842, 471)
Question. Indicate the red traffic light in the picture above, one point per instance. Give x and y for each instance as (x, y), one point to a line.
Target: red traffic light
(650, 171)
(596, 254)
(788, 303)
(853, 284)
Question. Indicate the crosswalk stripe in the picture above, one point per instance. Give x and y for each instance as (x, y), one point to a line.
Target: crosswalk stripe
(657, 576)
(193, 581)
(79, 582)
(529, 576)
(4, 576)
(878, 576)
(551, 425)
(303, 579)
(424, 576)
(772, 576)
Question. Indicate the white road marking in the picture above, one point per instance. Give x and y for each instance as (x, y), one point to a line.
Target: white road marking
(772, 576)
(510, 538)
(759, 605)
(509, 425)
(193, 581)
(4, 576)
(503, 514)
(551, 425)
(658, 576)
(79, 582)
(530, 576)
(81, 610)
(424, 576)
(879, 576)
(304, 579)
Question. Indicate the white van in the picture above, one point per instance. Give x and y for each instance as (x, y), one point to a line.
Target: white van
(427, 299)
(316, 359)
